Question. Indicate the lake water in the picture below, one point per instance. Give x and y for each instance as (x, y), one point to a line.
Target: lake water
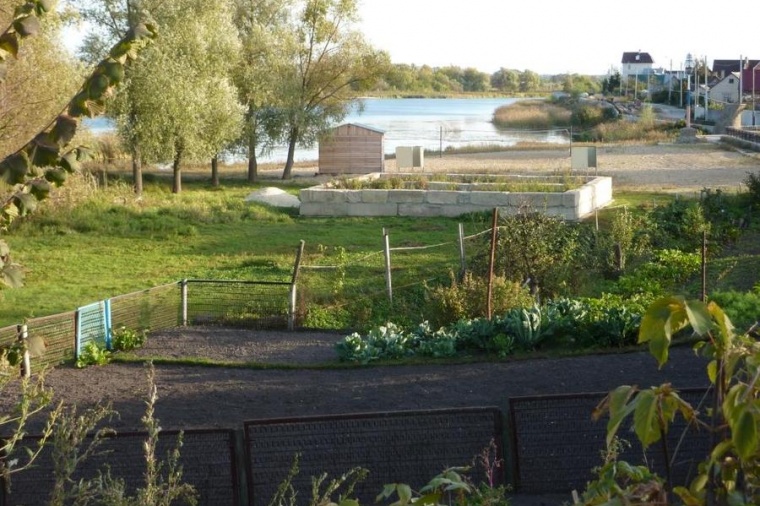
(428, 122)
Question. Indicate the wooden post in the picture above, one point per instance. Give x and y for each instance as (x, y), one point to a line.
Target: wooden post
(387, 251)
(489, 304)
(183, 289)
(293, 287)
(26, 363)
(462, 261)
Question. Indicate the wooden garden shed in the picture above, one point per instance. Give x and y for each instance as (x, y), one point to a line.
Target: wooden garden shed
(352, 149)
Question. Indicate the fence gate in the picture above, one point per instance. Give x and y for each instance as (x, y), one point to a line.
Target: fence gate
(93, 325)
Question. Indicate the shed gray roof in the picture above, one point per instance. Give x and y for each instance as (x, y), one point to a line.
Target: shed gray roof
(366, 127)
(637, 57)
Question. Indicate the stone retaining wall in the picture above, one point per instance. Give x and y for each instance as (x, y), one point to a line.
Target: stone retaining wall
(571, 205)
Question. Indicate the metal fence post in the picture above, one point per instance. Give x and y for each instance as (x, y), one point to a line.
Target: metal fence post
(462, 261)
(387, 251)
(494, 237)
(293, 286)
(26, 363)
(183, 288)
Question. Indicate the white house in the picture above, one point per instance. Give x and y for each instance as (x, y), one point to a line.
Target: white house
(727, 89)
(636, 64)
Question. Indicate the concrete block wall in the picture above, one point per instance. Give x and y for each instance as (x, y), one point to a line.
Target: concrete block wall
(571, 205)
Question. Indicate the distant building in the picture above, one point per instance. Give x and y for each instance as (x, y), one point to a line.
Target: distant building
(636, 64)
(726, 90)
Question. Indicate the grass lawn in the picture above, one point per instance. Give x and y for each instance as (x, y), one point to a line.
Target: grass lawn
(80, 249)
(111, 243)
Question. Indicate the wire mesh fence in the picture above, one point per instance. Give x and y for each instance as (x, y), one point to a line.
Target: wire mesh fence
(57, 332)
(253, 304)
(156, 308)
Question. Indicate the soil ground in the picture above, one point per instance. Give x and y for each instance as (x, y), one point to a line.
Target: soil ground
(217, 397)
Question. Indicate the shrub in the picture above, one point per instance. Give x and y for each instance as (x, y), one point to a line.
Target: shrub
(468, 298)
(669, 270)
(541, 251)
(752, 182)
(125, 339)
(742, 307)
(93, 354)
(679, 224)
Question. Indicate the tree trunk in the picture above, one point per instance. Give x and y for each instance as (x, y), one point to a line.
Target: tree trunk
(137, 171)
(177, 182)
(215, 171)
(253, 168)
(253, 163)
(286, 173)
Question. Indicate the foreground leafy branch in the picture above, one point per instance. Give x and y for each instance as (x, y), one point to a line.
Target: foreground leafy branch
(49, 157)
(730, 472)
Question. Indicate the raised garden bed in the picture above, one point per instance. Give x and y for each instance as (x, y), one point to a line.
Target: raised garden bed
(380, 194)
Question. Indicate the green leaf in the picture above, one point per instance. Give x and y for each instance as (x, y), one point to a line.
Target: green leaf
(699, 316)
(97, 86)
(56, 175)
(13, 170)
(404, 493)
(720, 450)
(40, 189)
(114, 70)
(25, 202)
(45, 151)
(744, 434)
(64, 130)
(69, 161)
(712, 371)
(430, 499)
(27, 26)
(725, 327)
(619, 408)
(388, 490)
(662, 319)
(9, 43)
(4, 249)
(645, 420)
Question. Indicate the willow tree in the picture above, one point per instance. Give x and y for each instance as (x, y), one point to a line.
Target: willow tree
(329, 63)
(263, 31)
(178, 103)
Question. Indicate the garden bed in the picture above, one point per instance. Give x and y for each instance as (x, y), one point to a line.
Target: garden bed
(381, 194)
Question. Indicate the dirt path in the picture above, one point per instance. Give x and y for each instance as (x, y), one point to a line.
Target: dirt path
(195, 397)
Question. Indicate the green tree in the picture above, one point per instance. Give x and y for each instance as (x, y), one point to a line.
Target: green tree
(506, 80)
(474, 80)
(262, 27)
(179, 103)
(329, 63)
(529, 81)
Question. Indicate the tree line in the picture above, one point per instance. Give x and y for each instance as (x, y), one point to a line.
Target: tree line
(223, 75)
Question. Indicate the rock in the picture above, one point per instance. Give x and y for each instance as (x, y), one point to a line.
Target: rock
(274, 197)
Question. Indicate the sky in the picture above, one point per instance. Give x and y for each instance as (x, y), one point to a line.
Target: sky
(556, 36)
